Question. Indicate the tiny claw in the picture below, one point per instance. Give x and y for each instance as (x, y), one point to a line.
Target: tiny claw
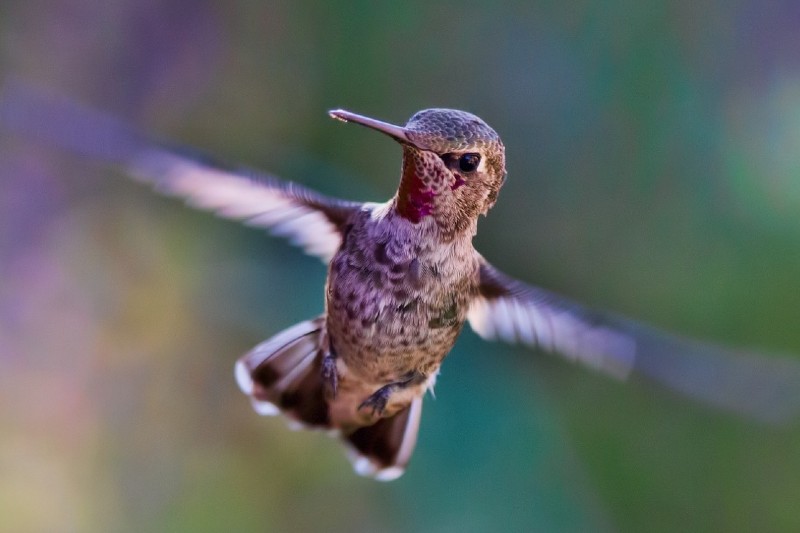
(377, 401)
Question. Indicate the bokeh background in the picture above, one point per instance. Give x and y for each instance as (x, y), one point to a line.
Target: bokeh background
(654, 169)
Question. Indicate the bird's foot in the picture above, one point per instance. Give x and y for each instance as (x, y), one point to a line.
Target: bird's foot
(329, 373)
(377, 400)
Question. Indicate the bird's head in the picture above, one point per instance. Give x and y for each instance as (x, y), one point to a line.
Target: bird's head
(453, 165)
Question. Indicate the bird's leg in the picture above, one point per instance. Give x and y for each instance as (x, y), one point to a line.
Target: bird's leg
(329, 373)
(378, 399)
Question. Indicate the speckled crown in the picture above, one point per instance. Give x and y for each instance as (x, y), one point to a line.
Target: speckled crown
(446, 130)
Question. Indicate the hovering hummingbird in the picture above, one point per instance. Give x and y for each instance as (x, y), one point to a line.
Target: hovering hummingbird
(403, 279)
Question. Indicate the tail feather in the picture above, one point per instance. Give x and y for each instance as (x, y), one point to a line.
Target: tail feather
(383, 449)
(283, 374)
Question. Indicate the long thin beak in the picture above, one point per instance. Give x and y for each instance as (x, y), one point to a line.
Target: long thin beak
(396, 132)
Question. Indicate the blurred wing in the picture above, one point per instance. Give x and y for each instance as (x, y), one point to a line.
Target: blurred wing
(766, 388)
(307, 219)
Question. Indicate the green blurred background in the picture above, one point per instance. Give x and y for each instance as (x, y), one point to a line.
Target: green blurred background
(654, 169)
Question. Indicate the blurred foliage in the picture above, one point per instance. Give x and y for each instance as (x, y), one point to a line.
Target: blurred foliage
(654, 170)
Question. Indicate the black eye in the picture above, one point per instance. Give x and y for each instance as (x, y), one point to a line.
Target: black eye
(469, 162)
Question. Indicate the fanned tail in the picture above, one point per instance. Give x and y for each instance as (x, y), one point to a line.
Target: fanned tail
(383, 449)
(283, 375)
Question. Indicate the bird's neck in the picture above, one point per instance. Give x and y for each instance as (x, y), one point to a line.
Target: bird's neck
(426, 195)
(418, 191)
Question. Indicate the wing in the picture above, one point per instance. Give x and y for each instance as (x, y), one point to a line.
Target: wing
(309, 220)
(762, 387)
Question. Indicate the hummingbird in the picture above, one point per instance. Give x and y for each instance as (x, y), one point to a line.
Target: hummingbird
(403, 280)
